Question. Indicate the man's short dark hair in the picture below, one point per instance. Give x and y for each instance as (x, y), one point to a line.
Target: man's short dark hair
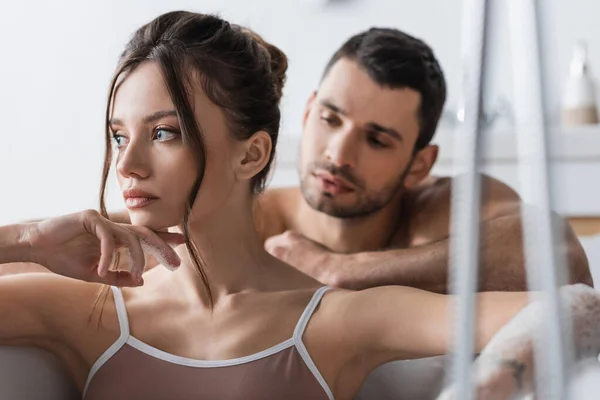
(397, 60)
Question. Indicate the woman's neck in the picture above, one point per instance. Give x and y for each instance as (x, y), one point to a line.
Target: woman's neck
(231, 254)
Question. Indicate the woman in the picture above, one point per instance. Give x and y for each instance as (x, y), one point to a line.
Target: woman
(194, 115)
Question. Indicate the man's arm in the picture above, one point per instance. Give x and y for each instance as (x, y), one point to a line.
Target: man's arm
(501, 261)
(425, 266)
(502, 265)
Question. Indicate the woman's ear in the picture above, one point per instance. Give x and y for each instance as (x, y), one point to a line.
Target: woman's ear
(254, 154)
(421, 165)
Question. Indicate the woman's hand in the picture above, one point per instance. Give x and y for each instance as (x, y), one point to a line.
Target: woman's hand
(506, 365)
(501, 381)
(82, 246)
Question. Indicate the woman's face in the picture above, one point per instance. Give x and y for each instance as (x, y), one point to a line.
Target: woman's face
(156, 171)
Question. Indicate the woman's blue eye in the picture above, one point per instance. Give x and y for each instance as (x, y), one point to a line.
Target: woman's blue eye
(119, 140)
(163, 135)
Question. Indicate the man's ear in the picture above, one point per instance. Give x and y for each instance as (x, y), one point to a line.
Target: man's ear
(421, 165)
(307, 108)
(253, 155)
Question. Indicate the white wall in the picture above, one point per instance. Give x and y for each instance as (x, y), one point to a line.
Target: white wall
(56, 59)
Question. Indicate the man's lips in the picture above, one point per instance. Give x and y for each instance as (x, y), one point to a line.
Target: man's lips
(333, 184)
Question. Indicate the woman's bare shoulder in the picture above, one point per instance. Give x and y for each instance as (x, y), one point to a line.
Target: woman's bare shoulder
(35, 286)
(46, 290)
(65, 307)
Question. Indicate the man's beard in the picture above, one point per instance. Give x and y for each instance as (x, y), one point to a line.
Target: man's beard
(366, 203)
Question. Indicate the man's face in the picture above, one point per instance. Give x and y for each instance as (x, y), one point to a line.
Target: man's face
(357, 146)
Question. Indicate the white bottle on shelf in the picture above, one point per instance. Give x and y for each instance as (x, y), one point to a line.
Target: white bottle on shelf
(579, 97)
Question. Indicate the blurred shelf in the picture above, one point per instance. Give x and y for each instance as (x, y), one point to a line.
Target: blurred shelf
(564, 144)
(500, 146)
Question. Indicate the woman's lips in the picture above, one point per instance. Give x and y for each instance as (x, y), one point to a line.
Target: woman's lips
(139, 202)
(137, 198)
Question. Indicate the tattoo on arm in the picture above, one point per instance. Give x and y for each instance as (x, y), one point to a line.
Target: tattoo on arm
(518, 370)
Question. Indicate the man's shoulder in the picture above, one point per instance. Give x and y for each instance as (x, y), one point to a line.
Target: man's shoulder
(433, 193)
(281, 195)
(281, 200)
(430, 206)
(438, 189)
(275, 210)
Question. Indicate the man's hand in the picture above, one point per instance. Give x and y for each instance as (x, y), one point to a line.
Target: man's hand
(307, 256)
(82, 246)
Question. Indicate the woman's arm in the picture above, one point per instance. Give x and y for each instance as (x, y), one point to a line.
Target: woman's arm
(27, 302)
(21, 268)
(398, 322)
(505, 367)
(14, 251)
(82, 246)
(31, 308)
(14, 245)
(390, 323)
(79, 246)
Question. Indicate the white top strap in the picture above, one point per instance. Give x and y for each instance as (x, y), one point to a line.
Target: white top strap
(299, 332)
(124, 328)
(308, 312)
(121, 311)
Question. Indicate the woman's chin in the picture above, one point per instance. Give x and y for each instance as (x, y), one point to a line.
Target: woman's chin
(155, 223)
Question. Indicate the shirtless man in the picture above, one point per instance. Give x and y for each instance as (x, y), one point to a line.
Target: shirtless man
(367, 212)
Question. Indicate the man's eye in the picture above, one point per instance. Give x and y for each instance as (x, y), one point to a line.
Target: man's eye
(374, 140)
(329, 120)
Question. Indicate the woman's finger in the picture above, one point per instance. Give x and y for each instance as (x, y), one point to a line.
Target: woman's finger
(107, 248)
(158, 245)
(121, 279)
(134, 247)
